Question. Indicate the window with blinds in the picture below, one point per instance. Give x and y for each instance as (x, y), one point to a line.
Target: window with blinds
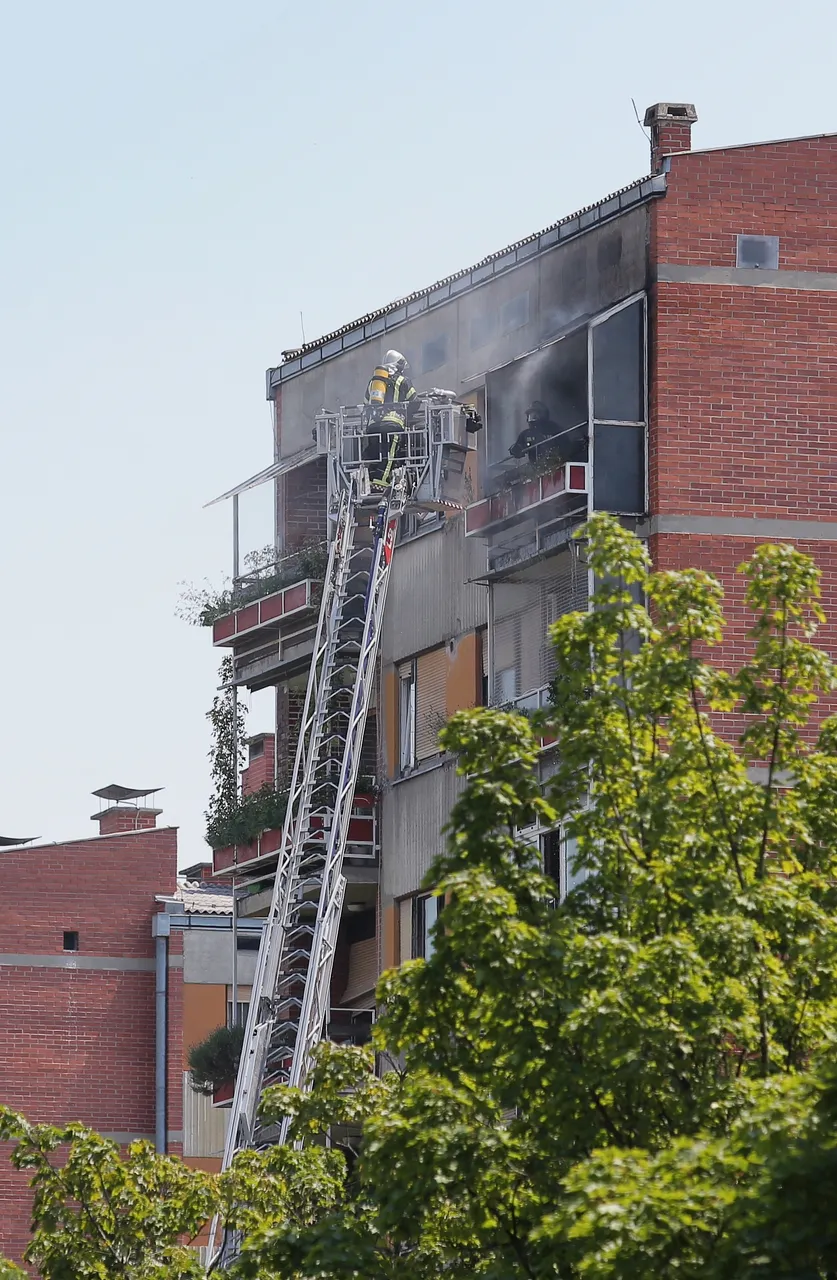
(522, 657)
(431, 700)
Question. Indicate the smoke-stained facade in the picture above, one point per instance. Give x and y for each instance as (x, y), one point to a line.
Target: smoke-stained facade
(534, 332)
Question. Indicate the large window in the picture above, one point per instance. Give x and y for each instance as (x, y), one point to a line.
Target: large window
(588, 385)
(556, 376)
(617, 348)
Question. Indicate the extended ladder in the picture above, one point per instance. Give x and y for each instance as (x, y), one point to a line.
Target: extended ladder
(290, 1001)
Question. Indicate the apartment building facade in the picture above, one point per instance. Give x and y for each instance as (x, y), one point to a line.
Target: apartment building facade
(687, 322)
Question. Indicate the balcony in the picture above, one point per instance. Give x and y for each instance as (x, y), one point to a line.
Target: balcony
(531, 517)
(269, 616)
(261, 855)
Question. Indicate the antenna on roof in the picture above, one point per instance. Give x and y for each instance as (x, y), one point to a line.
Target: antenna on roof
(646, 135)
(302, 327)
(6, 842)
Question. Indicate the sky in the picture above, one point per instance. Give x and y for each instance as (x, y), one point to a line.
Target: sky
(179, 181)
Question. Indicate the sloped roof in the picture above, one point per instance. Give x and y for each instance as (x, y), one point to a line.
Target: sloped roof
(298, 359)
(204, 899)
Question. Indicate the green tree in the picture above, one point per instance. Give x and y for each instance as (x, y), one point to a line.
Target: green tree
(640, 1079)
(623, 1083)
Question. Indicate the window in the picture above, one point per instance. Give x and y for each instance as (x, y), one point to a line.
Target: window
(557, 853)
(618, 360)
(514, 314)
(246, 943)
(618, 352)
(242, 1010)
(757, 252)
(431, 700)
(482, 651)
(426, 910)
(70, 940)
(406, 716)
(483, 329)
(434, 353)
(505, 686)
(256, 748)
(556, 375)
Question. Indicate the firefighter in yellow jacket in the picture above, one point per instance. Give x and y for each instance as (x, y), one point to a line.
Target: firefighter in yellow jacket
(388, 398)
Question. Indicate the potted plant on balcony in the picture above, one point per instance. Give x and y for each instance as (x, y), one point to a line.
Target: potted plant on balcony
(213, 1063)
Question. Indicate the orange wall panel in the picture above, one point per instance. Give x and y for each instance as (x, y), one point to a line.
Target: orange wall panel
(464, 674)
(204, 1009)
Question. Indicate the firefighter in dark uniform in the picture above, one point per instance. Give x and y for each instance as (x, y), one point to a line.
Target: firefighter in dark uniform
(537, 439)
(388, 399)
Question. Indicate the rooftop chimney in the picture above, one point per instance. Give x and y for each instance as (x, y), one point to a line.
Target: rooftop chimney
(671, 130)
(125, 814)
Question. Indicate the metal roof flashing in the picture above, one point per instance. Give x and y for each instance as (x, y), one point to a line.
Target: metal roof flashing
(397, 313)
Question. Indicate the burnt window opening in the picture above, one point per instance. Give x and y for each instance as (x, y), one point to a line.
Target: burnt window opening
(70, 940)
(757, 252)
(556, 377)
(434, 353)
(619, 366)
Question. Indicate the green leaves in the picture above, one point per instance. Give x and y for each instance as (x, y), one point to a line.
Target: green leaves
(640, 1080)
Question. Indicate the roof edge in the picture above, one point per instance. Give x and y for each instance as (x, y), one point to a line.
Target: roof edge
(394, 314)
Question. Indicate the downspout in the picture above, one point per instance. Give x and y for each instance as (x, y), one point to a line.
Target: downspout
(160, 931)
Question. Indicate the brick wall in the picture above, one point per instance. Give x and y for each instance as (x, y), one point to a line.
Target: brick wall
(785, 189)
(744, 402)
(744, 379)
(721, 556)
(303, 499)
(78, 1043)
(259, 771)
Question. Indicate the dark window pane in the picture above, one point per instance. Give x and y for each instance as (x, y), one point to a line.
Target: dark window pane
(434, 353)
(618, 359)
(619, 469)
(555, 376)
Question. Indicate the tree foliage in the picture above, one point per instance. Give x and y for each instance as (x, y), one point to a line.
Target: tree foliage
(638, 1080)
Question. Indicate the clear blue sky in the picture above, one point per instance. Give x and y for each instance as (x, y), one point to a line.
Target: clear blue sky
(179, 180)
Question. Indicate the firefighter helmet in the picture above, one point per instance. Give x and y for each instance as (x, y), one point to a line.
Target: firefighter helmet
(396, 364)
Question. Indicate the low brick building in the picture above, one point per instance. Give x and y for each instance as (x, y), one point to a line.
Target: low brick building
(92, 1032)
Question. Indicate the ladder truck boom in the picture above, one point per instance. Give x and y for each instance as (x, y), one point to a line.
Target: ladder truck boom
(289, 1001)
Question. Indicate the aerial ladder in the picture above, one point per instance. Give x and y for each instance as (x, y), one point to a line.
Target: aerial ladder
(290, 998)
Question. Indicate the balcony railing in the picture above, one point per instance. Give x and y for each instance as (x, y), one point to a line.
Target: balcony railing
(566, 482)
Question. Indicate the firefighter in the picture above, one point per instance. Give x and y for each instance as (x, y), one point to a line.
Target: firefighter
(388, 398)
(539, 427)
(537, 439)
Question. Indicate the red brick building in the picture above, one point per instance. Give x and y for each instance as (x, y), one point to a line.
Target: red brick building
(111, 967)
